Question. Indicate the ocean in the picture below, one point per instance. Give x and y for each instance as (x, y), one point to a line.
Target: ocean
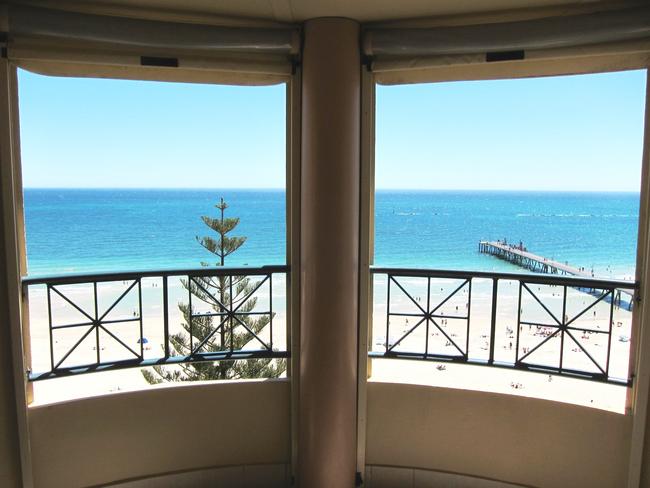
(92, 230)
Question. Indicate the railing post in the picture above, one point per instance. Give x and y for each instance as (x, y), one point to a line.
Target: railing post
(387, 312)
(141, 319)
(96, 324)
(518, 325)
(563, 319)
(166, 315)
(493, 318)
(231, 322)
(29, 389)
(271, 311)
(611, 330)
(189, 315)
(49, 324)
(426, 334)
(469, 316)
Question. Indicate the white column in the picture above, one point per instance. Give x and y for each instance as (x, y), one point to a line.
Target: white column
(329, 253)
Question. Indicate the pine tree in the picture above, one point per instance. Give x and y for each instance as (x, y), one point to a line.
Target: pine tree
(215, 292)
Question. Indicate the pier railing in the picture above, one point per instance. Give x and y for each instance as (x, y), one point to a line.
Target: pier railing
(562, 325)
(100, 322)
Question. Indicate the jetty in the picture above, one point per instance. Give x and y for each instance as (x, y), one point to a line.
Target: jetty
(518, 255)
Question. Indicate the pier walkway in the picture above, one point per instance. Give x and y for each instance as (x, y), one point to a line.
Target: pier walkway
(519, 256)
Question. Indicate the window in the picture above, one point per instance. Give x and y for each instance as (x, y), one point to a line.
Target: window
(122, 182)
(483, 180)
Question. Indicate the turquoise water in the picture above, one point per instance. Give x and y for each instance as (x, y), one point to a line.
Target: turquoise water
(113, 230)
(596, 230)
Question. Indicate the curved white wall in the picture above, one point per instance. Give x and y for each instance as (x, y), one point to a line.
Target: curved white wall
(161, 430)
(514, 439)
(188, 427)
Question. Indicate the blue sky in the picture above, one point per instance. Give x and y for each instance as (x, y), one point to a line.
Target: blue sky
(119, 133)
(561, 133)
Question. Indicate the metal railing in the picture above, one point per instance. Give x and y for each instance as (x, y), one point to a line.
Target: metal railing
(97, 324)
(551, 324)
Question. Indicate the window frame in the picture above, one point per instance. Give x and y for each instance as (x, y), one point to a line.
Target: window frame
(15, 242)
(637, 399)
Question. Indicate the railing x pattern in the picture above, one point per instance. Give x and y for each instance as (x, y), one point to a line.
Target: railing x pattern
(231, 308)
(559, 336)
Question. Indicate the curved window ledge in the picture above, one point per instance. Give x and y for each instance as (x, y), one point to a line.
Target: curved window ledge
(80, 387)
(603, 396)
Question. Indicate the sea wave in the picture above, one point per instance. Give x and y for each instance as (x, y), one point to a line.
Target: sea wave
(573, 215)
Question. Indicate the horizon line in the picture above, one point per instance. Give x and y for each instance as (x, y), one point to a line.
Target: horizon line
(284, 189)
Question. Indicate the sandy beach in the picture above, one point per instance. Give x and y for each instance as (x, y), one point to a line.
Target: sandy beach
(128, 332)
(450, 337)
(406, 333)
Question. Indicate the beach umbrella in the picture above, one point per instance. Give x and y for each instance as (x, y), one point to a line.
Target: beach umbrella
(144, 340)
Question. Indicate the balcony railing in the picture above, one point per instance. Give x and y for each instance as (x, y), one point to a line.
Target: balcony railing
(546, 323)
(561, 325)
(98, 322)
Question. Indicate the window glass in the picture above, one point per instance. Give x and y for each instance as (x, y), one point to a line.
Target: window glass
(538, 175)
(128, 176)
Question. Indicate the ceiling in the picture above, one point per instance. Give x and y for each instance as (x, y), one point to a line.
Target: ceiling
(300, 10)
